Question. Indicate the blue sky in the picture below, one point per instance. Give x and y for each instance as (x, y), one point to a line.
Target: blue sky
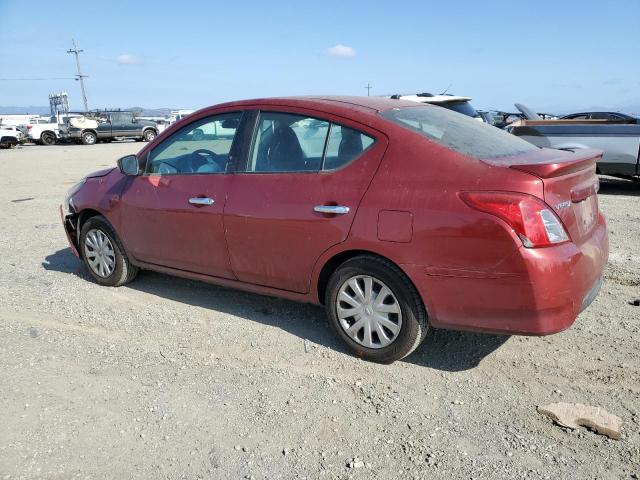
(557, 55)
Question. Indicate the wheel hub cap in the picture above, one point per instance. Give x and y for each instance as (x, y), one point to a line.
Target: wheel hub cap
(99, 253)
(368, 311)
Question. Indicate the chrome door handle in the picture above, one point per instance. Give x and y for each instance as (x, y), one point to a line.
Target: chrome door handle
(332, 209)
(202, 201)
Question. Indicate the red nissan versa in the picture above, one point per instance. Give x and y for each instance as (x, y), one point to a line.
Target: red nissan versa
(395, 216)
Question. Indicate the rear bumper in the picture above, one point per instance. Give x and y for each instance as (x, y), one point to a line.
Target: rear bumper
(550, 288)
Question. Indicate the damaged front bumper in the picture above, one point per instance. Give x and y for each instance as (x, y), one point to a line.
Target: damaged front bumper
(70, 222)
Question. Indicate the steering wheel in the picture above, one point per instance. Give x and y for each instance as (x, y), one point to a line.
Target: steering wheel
(212, 158)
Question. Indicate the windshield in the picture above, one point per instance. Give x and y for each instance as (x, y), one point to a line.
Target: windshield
(458, 132)
(464, 108)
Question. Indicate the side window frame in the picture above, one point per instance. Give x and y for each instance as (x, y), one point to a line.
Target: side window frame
(190, 126)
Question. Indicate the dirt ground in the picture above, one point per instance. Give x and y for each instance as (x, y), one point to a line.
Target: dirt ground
(172, 379)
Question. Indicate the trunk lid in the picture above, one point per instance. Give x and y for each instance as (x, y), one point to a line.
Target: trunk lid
(570, 185)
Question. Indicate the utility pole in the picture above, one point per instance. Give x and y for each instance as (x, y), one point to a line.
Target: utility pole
(79, 76)
(368, 87)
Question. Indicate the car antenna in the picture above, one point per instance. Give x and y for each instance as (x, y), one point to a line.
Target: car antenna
(446, 89)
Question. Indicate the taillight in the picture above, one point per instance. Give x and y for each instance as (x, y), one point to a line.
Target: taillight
(29, 127)
(533, 220)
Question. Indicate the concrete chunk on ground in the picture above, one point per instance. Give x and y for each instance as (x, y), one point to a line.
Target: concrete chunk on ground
(574, 415)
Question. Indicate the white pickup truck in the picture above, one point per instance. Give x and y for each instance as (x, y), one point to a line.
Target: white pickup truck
(45, 131)
(41, 131)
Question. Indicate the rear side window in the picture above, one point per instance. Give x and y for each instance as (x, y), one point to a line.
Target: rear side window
(458, 132)
(287, 142)
(344, 145)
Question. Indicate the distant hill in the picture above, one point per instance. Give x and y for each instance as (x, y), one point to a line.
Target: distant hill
(24, 110)
(151, 112)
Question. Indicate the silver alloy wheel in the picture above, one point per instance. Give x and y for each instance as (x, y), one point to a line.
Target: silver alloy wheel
(89, 138)
(368, 311)
(99, 253)
(149, 135)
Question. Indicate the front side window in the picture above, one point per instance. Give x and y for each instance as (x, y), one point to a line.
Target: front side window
(287, 142)
(120, 118)
(199, 148)
(458, 132)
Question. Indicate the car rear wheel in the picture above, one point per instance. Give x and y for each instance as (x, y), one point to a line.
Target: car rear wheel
(375, 309)
(48, 138)
(103, 254)
(89, 138)
(149, 135)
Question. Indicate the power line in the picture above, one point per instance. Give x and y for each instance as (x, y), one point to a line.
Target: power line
(79, 76)
(34, 79)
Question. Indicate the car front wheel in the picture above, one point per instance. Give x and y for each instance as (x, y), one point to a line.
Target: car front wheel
(149, 135)
(89, 138)
(103, 254)
(375, 309)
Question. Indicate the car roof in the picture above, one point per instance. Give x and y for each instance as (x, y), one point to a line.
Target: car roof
(340, 105)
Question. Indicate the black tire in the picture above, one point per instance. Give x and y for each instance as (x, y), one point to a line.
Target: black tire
(197, 134)
(414, 326)
(124, 271)
(48, 138)
(149, 135)
(89, 138)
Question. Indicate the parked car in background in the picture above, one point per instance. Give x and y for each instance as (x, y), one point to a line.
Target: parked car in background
(10, 136)
(619, 139)
(451, 102)
(601, 116)
(397, 217)
(106, 126)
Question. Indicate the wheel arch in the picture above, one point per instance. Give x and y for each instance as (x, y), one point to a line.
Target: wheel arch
(52, 132)
(331, 264)
(150, 127)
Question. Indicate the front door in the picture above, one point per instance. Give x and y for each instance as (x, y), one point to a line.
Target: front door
(172, 214)
(297, 196)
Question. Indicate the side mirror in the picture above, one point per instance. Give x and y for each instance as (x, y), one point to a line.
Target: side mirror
(129, 165)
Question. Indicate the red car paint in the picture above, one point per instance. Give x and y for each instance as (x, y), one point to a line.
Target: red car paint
(470, 267)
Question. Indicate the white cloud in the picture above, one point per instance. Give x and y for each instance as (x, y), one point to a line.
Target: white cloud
(340, 50)
(127, 59)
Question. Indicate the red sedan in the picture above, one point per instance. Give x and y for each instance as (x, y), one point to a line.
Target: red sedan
(396, 216)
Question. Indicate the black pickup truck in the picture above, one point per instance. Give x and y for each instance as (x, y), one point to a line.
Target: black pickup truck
(107, 125)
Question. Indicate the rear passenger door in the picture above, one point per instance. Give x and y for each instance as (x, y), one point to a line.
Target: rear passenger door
(297, 195)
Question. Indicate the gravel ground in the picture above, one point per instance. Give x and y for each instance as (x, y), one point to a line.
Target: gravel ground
(168, 378)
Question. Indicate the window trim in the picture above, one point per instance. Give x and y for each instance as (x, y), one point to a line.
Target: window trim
(190, 126)
(321, 170)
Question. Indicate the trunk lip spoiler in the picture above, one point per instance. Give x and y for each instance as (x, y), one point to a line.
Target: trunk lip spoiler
(583, 159)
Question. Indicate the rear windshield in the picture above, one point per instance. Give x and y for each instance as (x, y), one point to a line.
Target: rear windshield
(458, 132)
(461, 107)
